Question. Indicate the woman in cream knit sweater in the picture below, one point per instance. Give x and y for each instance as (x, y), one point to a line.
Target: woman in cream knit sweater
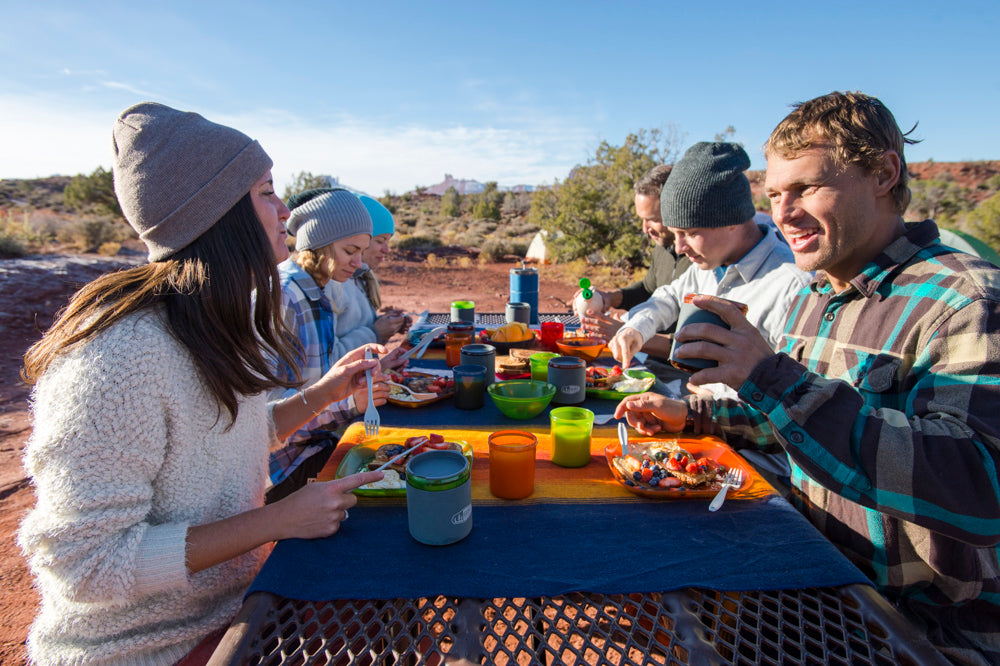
(151, 426)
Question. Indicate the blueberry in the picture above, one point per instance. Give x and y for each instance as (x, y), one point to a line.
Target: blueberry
(645, 462)
(659, 455)
(637, 476)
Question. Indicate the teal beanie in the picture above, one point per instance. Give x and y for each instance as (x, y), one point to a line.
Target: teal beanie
(707, 188)
(382, 222)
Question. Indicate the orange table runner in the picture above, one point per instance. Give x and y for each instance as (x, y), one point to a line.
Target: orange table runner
(553, 484)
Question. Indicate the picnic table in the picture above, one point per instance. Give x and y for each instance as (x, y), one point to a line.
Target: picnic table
(583, 571)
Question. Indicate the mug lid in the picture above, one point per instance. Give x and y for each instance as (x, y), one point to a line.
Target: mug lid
(567, 362)
(437, 470)
(478, 349)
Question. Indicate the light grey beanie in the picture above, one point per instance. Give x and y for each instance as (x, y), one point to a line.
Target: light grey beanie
(327, 218)
(707, 188)
(176, 173)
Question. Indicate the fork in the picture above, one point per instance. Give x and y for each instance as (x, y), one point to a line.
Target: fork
(372, 419)
(732, 479)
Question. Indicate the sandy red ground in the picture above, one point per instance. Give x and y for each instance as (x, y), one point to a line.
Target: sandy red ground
(32, 292)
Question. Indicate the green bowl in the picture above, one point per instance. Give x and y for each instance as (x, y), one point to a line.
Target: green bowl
(521, 398)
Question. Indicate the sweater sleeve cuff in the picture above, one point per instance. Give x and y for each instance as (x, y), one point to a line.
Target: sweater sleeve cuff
(161, 564)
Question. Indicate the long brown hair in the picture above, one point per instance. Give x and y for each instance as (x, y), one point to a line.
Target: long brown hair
(221, 299)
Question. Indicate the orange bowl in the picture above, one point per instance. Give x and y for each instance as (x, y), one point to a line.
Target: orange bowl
(582, 347)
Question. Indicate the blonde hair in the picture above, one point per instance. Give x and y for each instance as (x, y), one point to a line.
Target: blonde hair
(859, 127)
(318, 263)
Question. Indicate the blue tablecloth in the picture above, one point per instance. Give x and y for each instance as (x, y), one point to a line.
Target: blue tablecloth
(550, 549)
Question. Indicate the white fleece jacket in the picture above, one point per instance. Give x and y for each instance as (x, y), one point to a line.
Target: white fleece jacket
(128, 450)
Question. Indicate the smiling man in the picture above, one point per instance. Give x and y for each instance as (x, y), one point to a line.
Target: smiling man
(885, 394)
(707, 207)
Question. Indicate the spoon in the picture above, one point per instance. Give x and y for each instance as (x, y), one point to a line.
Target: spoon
(623, 438)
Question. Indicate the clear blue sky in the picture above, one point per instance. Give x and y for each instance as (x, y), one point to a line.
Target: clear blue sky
(390, 95)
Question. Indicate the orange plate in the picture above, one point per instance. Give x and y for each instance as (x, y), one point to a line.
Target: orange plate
(698, 447)
(419, 403)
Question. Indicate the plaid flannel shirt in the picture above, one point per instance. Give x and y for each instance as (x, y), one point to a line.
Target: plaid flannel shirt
(886, 399)
(307, 313)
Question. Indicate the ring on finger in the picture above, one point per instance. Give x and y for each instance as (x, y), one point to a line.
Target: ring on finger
(346, 514)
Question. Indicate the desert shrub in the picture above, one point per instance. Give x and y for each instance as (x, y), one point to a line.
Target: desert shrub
(984, 221)
(389, 201)
(451, 203)
(938, 199)
(434, 261)
(109, 249)
(493, 251)
(11, 245)
(470, 239)
(305, 180)
(94, 193)
(593, 207)
(417, 242)
(89, 233)
(515, 204)
(465, 262)
(486, 204)
(518, 248)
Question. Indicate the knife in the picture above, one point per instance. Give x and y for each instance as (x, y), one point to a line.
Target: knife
(425, 342)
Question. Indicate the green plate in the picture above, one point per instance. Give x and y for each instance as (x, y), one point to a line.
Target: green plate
(608, 394)
(361, 454)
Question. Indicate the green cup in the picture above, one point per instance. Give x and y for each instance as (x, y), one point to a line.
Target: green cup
(540, 365)
(570, 429)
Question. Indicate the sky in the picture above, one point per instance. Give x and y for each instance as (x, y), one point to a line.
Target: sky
(388, 96)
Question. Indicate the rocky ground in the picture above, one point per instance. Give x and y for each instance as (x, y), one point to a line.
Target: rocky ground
(33, 289)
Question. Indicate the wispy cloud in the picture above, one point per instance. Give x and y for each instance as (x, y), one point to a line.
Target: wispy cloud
(47, 137)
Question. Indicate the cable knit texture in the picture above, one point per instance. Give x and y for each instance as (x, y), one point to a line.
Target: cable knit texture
(128, 450)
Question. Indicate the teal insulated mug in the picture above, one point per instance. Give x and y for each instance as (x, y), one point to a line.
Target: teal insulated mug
(439, 497)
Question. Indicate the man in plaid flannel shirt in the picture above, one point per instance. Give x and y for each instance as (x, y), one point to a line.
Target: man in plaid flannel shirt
(886, 392)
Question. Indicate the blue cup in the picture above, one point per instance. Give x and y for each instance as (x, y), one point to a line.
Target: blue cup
(470, 386)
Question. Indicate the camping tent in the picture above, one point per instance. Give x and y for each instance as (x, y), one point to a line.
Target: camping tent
(538, 250)
(969, 244)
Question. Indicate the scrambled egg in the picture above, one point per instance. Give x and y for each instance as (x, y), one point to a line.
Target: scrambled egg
(632, 385)
(391, 481)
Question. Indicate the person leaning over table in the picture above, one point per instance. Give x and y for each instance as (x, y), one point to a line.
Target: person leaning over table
(885, 393)
(707, 206)
(360, 298)
(332, 229)
(151, 427)
(666, 263)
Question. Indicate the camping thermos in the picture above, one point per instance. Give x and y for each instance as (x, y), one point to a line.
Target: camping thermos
(524, 289)
(484, 355)
(439, 497)
(569, 375)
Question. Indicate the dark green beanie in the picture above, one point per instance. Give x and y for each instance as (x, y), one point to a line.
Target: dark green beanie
(707, 188)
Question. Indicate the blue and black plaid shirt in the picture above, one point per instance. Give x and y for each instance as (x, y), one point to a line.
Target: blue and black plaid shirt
(886, 398)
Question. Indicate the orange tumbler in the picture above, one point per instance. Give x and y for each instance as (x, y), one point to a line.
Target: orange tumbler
(453, 343)
(512, 463)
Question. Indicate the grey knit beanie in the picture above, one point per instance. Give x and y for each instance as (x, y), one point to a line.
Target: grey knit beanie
(176, 173)
(707, 188)
(327, 218)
